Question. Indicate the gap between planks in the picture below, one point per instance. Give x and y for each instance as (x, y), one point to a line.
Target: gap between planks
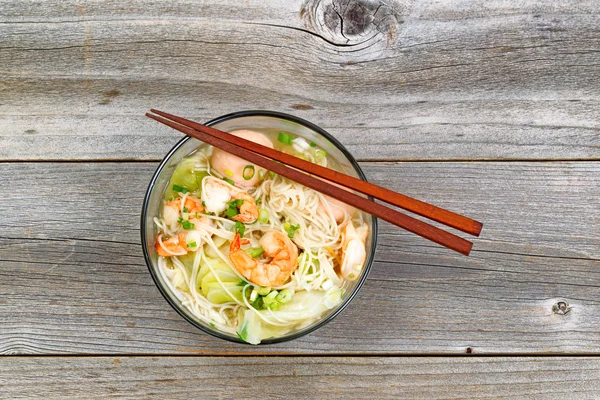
(308, 355)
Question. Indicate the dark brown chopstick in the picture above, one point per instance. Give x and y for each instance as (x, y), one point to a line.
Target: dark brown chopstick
(420, 228)
(432, 212)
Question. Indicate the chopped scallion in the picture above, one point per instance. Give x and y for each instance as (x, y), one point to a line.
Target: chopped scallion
(285, 296)
(240, 228)
(313, 144)
(191, 245)
(263, 215)
(231, 212)
(261, 173)
(258, 303)
(242, 283)
(228, 172)
(180, 189)
(291, 229)
(257, 252)
(270, 298)
(187, 225)
(233, 206)
(285, 138)
(185, 209)
(263, 291)
(321, 153)
(229, 181)
(248, 172)
(253, 296)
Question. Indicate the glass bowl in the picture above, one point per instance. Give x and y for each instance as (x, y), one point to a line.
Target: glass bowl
(248, 120)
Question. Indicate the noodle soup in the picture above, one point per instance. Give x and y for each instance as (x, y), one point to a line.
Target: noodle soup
(253, 254)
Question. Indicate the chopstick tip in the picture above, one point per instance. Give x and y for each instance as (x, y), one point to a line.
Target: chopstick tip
(478, 228)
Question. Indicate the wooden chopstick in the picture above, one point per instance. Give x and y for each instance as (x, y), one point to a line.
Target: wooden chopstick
(427, 210)
(420, 228)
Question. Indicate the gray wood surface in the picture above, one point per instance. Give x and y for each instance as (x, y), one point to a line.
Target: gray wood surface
(300, 377)
(397, 80)
(437, 85)
(73, 279)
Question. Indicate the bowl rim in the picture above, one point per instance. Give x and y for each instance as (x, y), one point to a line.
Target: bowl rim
(172, 301)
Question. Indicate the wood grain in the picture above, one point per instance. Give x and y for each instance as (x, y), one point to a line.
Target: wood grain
(432, 80)
(394, 80)
(301, 377)
(73, 279)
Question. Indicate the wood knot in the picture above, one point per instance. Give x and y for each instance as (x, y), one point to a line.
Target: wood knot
(561, 308)
(352, 22)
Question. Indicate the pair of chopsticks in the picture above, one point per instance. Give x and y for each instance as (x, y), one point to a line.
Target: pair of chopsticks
(280, 163)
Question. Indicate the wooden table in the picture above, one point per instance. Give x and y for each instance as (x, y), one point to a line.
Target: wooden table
(488, 108)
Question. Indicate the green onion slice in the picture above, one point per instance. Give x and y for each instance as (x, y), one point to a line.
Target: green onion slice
(257, 252)
(285, 296)
(240, 228)
(291, 229)
(263, 215)
(180, 189)
(187, 225)
(257, 304)
(263, 291)
(285, 138)
(248, 172)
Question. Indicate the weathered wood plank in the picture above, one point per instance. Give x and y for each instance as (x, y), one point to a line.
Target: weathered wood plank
(301, 377)
(434, 80)
(73, 279)
(50, 121)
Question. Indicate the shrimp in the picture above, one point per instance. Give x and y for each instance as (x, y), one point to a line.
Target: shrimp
(240, 171)
(180, 244)
(353, 251)
(218, 193)
(188, 240)
(278, 247)
(172, 211)
(339, 209)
